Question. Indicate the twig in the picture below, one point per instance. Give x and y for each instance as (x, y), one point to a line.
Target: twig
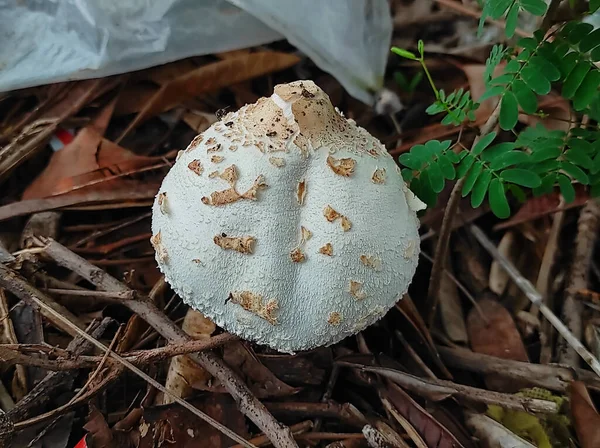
(551, 377)
(535, 297)
(587, 229)
(263, 440)
(11, 354)
(441, 249)
(65, 322)
(248, 404)
(441, 389)
(24, 291)
(96, 294)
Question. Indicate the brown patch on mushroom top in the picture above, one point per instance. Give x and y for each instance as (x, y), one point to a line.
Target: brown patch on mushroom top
(301, 192)
(241, 244)
(197, 260)
(378, 176)
(213, 174)
(334, 318)
(215, 148)
(161, 252)
(211, 141)
(330, 214)
(277, 161)
(297, 255)
(356, 290)
(327, 250)
(233, 147)
(342, 167)
(305, 234)
(346, 224)
(162, 202)
(254, 303)
(230, 195)
(196, 166)
(217, 159)
(197, 140)
(371, 262)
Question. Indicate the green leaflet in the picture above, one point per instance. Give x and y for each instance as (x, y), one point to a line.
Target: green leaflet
(480, 188)
(521, 177)
(509, 111)
(497, 199)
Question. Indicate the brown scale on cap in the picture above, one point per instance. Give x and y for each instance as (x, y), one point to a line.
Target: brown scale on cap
(297, 255)
(341, 167)
(301, 192)
(162, 202)
(159, 248)
(378, 176)
(331, 215)
(215, 148)
(197, 140)
(305, 234)
(277, 161)
(371, 262)
(231, 194)
(217, 159)
(356, 291)
(334, 318)
(326, 250)
(241, 244)
(211, 141)
(196, 166)
(254, 303)
(233, 147)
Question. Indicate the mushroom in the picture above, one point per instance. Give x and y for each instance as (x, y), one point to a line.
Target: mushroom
(262, 276)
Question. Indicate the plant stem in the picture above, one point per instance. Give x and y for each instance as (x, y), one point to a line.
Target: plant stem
(429, 78)
(441, 249)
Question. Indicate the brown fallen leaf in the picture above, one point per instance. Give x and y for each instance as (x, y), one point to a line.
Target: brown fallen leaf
(175, 426)
(86, 159)
(100, 435)
(260, 379)
(408, 309)
(451, 312)
(209, 78)
(540, 206)
(497, 337)
(585, 417)
(184, 373)
(432, 432)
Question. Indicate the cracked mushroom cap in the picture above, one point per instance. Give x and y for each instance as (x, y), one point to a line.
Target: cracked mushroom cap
(286, 223)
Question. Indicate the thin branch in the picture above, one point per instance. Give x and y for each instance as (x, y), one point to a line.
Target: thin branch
(548, 376)
(95, 294)
(535, 297)
(248, 404)
(443, 243)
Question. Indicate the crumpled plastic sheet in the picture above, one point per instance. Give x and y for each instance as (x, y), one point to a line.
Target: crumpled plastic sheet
(45, 41)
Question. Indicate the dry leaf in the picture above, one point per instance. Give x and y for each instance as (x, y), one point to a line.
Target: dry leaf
(434, 434)
(183, 372)
(261, 380)
(408, 309)
(210, 78)
(451, 311)
(499, 278)
(585, 417)
(497, 337)
(174, 426)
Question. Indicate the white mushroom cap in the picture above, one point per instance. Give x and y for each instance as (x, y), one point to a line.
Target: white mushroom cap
(287, 224)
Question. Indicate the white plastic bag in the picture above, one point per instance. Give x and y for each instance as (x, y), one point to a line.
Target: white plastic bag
(44, 41)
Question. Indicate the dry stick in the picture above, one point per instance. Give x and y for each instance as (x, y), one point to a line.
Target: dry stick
(551, 377)
(11, 354)
(587, 229)
(535, 297)
(65, 322)
(96, 294)
(248, 404)
(441, 249)
(23, 290)
(441, 389)
(262, 440)
(543, 283)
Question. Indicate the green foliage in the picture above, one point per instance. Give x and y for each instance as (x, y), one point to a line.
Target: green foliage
(534, 158)
(407, 85)
(509, 10)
